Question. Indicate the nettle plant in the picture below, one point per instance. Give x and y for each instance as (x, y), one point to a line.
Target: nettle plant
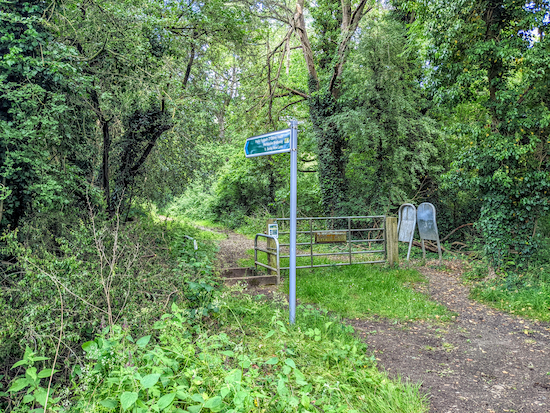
(185, 368)
(28, 391)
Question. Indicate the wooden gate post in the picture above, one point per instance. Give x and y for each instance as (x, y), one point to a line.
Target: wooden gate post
(271, 246)
(392, 246)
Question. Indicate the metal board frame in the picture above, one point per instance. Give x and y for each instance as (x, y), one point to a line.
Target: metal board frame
(400, 226)
(432, 233)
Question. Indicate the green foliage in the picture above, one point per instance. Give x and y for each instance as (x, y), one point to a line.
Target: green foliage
(36, 169)
(491, 56)
(326, 22)
(392, 141)
(247, 186)
(143, 127)
(331, 146)
(98, 274)
(238, 366)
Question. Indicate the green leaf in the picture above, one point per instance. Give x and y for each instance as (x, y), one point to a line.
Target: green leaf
(89, 346)
(290, 362)
(213, 403)
(109, 403)
(300, 378)
(31, 372)
(28, 353)
(20, 363)
(224, 391)
(19, 384)
(182, 395)
(28, 398)
(281, 388)
(270, 334)
(143, 341)
(150, 380)
(293, 401)
(234, 376)
(305, 401)
(272, 360)
(166, 401)
(40, 395)
(127, 399)
(194, 409)
(46, 373)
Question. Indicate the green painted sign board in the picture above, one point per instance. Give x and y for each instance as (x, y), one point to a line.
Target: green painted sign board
(268, 144)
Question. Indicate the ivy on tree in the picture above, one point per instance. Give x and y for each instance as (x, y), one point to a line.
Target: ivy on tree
(496, 56)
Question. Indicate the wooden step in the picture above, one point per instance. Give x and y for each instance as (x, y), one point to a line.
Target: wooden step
(253, 281)
(238, 272)
(246, 275)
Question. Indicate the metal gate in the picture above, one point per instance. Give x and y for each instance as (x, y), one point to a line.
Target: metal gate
(334, 241)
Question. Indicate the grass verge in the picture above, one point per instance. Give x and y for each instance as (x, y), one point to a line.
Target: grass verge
(367, 290)
(363, 290)
(531, 300)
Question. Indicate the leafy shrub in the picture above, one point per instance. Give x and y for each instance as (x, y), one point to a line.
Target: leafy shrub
(237, 363)
(195, 203)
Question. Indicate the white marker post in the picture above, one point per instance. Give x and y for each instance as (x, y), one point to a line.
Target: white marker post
(271, 144)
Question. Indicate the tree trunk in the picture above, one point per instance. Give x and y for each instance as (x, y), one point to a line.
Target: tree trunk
(105, 166)
(331, 145)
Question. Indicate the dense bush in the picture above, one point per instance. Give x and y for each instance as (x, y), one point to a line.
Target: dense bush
(99, 274)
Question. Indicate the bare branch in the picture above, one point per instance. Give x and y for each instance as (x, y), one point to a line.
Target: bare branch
(290, 104)
(294, 91)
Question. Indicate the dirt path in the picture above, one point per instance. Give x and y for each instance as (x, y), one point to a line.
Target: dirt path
(232, 249)
(484, 361)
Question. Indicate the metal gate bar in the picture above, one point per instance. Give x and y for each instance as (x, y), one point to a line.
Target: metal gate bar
(277, 269)
(349, 235)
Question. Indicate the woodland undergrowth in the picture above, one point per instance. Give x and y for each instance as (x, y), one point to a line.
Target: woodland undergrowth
(59, 292)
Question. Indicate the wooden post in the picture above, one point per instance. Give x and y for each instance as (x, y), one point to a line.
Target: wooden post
(392, 246)
(271, 246)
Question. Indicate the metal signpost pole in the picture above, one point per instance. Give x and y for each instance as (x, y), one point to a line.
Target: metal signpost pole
(293, 188)
(270, 144)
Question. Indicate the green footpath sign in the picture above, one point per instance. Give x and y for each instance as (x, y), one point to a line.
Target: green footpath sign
(268, 144)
